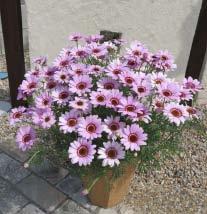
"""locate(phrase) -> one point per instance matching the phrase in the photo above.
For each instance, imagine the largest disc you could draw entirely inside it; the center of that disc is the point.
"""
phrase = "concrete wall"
(161, 24)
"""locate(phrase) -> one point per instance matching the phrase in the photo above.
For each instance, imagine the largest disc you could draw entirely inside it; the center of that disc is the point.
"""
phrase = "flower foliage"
(102, 108)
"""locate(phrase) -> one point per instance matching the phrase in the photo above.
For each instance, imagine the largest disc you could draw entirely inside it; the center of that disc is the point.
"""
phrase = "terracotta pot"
(105, 194)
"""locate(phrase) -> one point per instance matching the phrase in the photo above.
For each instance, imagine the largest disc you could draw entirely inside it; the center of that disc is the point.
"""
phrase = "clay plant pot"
(108, 195)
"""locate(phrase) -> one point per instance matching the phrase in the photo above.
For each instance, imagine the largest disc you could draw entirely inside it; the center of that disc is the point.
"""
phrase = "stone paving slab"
(70, 207)
(49, 172)
(4, 107)
(41, 192)
(31, 209)
(72, 187)
(10, 147)
(11, 201)
(12, 170)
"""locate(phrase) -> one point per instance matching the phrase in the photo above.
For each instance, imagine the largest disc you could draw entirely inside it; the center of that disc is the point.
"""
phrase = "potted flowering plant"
(101, 114)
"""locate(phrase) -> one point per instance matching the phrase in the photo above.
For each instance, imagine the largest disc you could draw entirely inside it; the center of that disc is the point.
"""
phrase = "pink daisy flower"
(79, 52)
(16, 115)
(158, 105)
(169, 91)
(29, 85)
(137, 49)
(133, 137)
(34, 73)
(98, 98)
(80, 104)
(78, 69)
(41, 60)
(25, 137)
(43, 101)
(111, 153)
(47, 119)
(62, 76)
(158, 78)
(49, 72)
(127, 78)
(90, 127)
(115, 68)
(163, 60)
(108, 83)
(110, 46)
(80, 84)
(142, 88)
(185, 94)
(81, 152)
(75, 37)
(128, 106)
(132, 62)
(61, 95)
(51, 84)
(93, 38)
(95, 69)
(113, 126)
(192, 84)
(192, 112)
(62, 62)
(143, 114)
(97, 50)
(68, 122)
(113, 98)
(176, 113)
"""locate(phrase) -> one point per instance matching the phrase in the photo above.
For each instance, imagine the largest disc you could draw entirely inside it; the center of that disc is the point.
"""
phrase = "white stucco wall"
(161, 24)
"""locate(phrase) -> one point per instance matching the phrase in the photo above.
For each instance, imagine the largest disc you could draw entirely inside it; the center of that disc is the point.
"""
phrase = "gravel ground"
(179, 187)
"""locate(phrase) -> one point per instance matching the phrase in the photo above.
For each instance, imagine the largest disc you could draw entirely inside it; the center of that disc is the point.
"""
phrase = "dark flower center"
(17, 115)
(45, 102)
(158, 81)
(63, 95)
(79, 103)
(63, 77)
(159, 104)
(81, 85)
(32, 85)
(114, 101)
(130, 108)
(80, 53)
(112, 153)
(176, 112)
(133, 138)
(71, 122)
(167, 93)
(164, 58)
(64, 63)
(26, 138)
(82, 151)
(47, 119)
(78, 71)
(114, 126)
(131, 63)
(91, 128)
(141, 89)
(100, 98)
(51, 85)
(109, 85)
(191, 110)
(129, 80)
(137, 53)
(96, 69)
(116, 71)
(96, 50)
